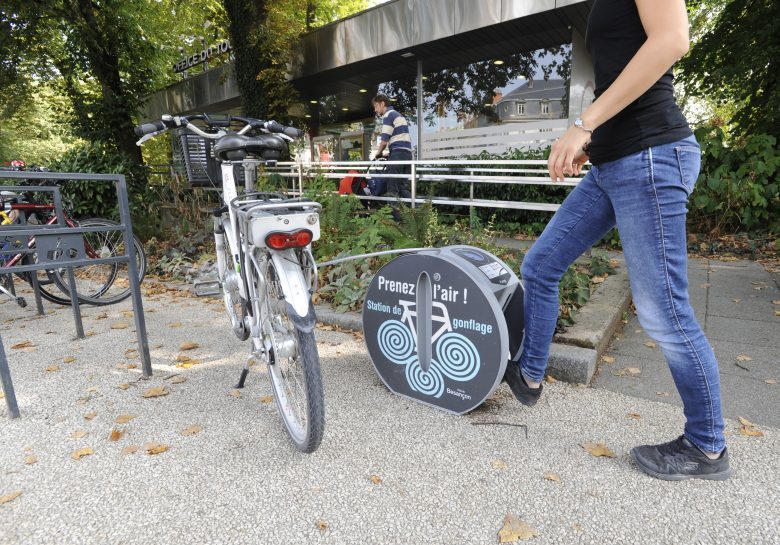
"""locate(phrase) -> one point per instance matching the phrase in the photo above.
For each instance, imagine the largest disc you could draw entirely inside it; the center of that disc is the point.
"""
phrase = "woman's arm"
(666, 24)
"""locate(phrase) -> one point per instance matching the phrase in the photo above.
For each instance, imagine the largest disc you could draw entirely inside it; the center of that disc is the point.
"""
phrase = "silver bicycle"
(266, 270)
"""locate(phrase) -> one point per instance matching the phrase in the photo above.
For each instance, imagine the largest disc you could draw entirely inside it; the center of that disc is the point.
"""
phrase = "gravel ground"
(389, 470)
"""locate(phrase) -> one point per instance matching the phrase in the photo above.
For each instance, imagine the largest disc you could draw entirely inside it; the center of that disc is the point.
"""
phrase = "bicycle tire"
(304, 419)
(94, 283)
(45, 279)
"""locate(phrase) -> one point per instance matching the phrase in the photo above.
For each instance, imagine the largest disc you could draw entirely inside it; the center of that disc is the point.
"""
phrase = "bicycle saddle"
(235, 147)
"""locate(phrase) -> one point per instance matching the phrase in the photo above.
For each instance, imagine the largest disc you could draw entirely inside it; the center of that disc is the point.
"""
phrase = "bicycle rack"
(440, 324)
(64, 246)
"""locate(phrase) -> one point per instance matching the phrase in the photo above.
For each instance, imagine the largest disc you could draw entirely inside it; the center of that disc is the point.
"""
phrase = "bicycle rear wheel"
(103, 283)
(294, 368)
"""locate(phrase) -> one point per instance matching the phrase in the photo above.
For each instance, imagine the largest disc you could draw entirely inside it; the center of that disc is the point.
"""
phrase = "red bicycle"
(98, 284)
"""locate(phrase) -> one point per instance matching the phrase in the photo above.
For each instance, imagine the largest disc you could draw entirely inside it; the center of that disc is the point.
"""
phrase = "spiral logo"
(429, 383)
(457, 357)
(396, 342)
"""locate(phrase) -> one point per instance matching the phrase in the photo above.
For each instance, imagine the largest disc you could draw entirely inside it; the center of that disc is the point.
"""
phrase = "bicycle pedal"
(207, 288)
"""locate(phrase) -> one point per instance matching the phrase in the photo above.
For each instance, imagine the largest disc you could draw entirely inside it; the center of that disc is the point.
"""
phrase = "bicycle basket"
(193, 156)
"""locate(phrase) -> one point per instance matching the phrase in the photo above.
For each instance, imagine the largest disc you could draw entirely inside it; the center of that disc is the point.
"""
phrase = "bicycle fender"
(302, 323)
(293, 285)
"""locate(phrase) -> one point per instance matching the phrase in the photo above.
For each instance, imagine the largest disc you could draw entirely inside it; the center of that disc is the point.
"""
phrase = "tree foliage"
(735, 62)
(105, 56)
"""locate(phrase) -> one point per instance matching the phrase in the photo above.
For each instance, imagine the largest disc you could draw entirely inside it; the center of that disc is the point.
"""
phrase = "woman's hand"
(567, 156)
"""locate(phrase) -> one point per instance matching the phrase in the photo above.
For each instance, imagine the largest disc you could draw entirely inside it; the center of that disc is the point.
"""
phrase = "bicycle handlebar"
(147, 130)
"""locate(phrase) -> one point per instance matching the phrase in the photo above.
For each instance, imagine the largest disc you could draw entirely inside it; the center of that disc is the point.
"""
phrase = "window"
(521, 108)
(545, 108)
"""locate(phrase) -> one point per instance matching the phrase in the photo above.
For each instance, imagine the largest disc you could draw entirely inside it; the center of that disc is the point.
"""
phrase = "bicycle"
(266, 270)
(94, 283)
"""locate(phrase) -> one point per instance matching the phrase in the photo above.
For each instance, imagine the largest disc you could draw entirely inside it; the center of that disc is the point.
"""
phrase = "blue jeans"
(645, 195)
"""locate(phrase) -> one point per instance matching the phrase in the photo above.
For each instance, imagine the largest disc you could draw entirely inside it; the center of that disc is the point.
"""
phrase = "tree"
(736, 63)
(105, 56)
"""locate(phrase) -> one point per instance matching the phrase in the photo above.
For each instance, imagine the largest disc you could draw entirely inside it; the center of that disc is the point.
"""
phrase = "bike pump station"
(441, 323)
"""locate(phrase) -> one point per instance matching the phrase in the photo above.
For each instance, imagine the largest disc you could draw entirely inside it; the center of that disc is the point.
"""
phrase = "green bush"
(98, 199)
(738, 188)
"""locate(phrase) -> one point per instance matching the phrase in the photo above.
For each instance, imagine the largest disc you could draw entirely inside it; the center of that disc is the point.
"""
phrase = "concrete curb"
(573, 354)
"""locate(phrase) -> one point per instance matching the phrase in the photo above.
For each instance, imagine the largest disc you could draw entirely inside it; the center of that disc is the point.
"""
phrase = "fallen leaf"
(191, 430)
(124, 386)
(750, 431)
(116, 434)
(23, 344)
(157, 391)
(89, 333)
(650, 344)
(188, 345)
(321, 525)
(745, 421)
(235, 393)
(183, 357)
(90, 416)
(68, 359)
(127, 313)
(188, 364)
(266, 399)
(129, 450)
(743, 357)
(124, 418)
(635, 416)
(31, 459)
(552, 477)
(376, 479)
(120, 325)
(662, 394)
(599, 449)
(80, 453)
(597, 280)
(737, 300)
(498, 464)
(550, 380)
(101, 316)
(175, 324)
(515, 530)
(777, 313)
(607, 359)
(706, 285)
(178, 379)
(79, 434)
(776, 302)
(10, 497)
(52, 368)
(770, 381)
(155, 448)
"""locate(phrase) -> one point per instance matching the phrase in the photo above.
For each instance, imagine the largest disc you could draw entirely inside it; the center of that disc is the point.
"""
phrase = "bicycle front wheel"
(294, 367)
(103, 283)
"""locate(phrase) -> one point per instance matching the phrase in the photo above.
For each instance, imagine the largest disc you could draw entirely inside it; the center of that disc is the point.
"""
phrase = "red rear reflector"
(282, 241)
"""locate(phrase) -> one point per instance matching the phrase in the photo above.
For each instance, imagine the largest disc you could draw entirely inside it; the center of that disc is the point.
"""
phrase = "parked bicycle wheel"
(103, 283)
(294, 368)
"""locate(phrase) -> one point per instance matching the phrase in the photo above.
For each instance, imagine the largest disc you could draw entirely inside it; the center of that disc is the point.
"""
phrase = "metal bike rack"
(63, 246)
(440, 324)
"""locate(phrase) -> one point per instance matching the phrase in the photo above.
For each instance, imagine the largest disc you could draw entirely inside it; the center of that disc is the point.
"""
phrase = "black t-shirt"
(613, 37)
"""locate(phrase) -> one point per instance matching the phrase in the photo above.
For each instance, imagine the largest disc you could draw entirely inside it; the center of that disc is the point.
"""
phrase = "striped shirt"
(395, 131)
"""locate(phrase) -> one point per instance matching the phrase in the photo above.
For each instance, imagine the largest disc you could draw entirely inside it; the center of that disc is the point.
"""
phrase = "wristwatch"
(581, 125)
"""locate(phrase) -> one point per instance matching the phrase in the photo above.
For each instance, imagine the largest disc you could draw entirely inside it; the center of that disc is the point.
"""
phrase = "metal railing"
(468, 172)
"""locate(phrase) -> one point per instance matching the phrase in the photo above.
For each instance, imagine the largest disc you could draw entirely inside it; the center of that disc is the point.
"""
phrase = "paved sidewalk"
(389, 471)
(733, 301)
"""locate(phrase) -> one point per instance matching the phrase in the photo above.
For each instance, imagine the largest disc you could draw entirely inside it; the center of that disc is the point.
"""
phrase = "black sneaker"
(525, 394)
(680, 459)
